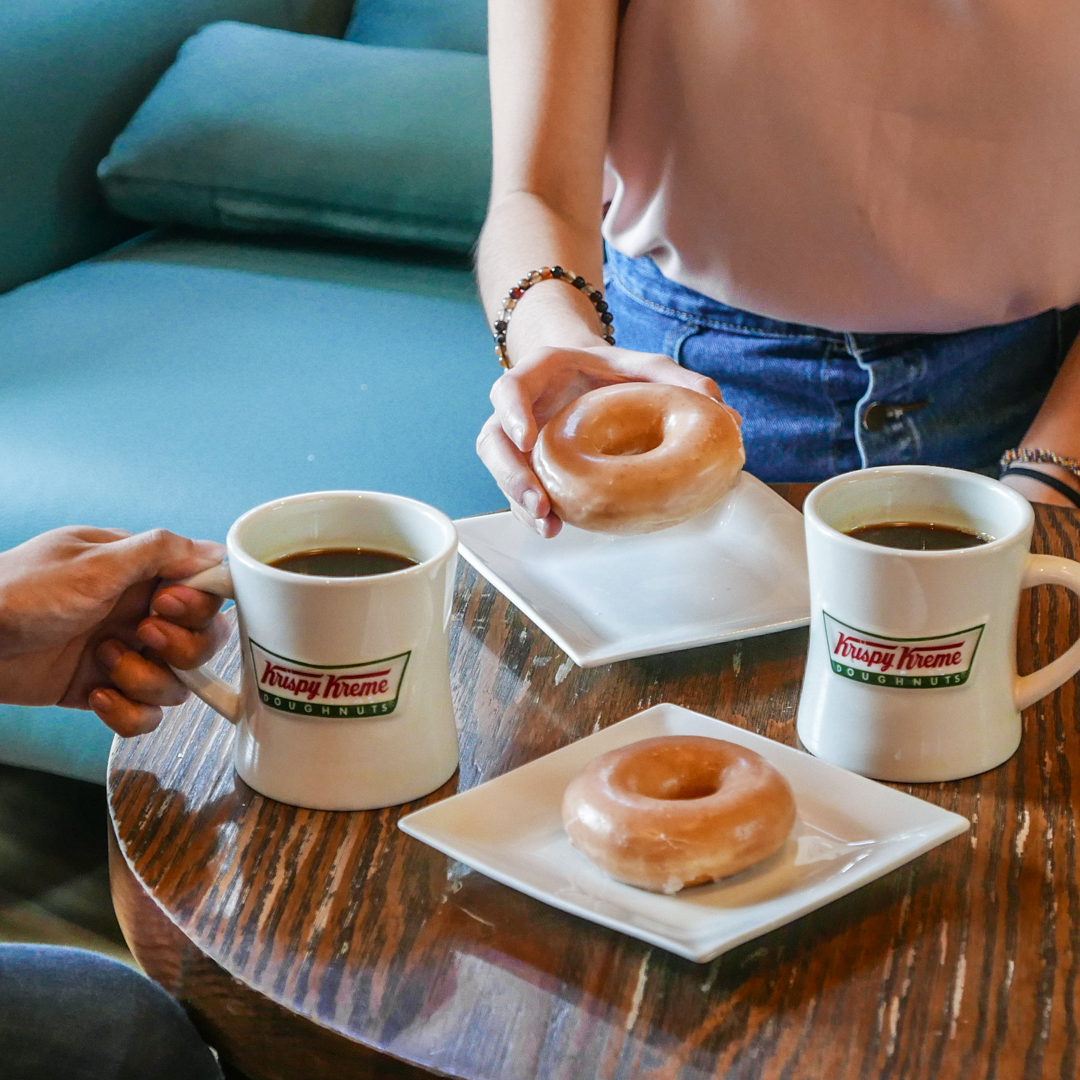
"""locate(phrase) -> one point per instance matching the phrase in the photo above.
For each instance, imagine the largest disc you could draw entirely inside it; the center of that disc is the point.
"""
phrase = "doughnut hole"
(636, 431)
(671, 777)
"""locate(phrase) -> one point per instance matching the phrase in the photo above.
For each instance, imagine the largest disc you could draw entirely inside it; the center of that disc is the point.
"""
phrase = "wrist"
(551, 306)
(554, 335)
(1042, 483)
(1055, 471)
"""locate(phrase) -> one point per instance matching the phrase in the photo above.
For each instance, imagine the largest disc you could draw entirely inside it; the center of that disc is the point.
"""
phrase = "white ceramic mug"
(911, 670)
(344, 701)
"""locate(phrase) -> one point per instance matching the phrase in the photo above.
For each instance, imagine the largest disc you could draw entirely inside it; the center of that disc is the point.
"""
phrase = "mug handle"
(221, 696)
(1048, 570)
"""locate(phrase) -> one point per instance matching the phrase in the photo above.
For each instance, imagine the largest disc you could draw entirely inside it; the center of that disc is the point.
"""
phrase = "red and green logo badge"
(903, 663)
(331, 692)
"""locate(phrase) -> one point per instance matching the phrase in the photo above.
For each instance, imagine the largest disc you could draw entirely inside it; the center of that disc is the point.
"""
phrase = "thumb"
(160, 553)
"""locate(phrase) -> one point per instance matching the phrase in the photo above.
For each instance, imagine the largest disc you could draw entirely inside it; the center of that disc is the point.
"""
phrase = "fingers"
(92, 534)
(187, 607)
(510, 467)
(181, 647)
(655, 367)
(143, 683)
(546, 527)
(512, 472)
(140, 679)
(514, 408)
(126, 718)
(160, 553)
(531, 392)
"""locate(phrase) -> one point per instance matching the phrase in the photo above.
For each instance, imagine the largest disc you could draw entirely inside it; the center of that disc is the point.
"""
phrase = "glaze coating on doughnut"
(637, 457)
(677, 810)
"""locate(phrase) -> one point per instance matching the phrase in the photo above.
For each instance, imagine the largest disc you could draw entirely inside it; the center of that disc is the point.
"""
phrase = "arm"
(1056, 427)
(552, 64)
(549, 114)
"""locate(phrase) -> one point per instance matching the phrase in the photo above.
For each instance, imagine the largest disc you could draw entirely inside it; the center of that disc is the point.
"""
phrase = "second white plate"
(849, 831)
(736, 571)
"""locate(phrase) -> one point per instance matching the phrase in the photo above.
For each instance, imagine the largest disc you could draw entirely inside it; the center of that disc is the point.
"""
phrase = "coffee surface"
(917, 536)
(342, 562)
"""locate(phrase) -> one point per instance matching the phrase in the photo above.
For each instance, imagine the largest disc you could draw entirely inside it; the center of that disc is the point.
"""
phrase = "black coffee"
(917, 536)
(343, 562)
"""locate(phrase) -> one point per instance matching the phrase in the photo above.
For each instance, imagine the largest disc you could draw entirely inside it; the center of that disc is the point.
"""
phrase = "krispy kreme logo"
(343, 691)
(903, 663)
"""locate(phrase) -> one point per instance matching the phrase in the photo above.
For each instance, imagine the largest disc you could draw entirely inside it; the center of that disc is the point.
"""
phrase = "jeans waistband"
(642, 280)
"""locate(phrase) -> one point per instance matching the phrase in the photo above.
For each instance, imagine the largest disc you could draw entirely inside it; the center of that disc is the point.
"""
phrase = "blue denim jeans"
(80, 1016)
(819, 402)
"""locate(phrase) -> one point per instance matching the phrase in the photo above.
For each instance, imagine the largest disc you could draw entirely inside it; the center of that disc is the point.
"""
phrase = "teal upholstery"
(71, 74)
(61, 741)
(181, 378)
(178, 382)
(265, 130)
(421, 24)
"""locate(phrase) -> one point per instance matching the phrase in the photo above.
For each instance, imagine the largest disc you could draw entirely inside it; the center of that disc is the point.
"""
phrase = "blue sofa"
(173, 378)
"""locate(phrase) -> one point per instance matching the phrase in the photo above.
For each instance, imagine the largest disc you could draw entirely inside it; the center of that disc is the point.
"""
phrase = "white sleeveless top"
(863, 165)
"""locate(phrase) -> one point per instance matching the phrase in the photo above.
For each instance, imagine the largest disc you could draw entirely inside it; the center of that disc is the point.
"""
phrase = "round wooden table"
(309, 944)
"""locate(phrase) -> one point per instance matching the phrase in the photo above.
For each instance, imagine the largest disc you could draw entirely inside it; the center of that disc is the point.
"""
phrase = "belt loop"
(677, 337)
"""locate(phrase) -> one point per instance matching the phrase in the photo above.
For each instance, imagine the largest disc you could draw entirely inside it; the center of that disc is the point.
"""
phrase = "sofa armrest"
(72, 74)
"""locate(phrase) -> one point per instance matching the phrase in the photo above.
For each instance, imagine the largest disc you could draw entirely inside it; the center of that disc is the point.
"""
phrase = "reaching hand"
(533, 391)
(74, 625)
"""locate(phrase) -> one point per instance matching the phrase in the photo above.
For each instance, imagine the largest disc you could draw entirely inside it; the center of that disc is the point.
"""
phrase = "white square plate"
(849, 831)
(735, 571)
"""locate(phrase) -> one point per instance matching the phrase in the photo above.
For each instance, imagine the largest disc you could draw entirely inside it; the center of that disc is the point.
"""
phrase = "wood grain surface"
(303, 941)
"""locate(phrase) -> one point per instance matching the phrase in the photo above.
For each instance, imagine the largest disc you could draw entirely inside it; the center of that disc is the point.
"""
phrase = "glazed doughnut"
(637, 457)
(677, 810)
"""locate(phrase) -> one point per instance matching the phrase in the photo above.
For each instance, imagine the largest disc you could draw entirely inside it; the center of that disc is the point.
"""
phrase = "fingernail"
(150, 635)
(211, 549)
(109, 653)
(517, 434)
(99, 699)
(169, 605)
(531, 500)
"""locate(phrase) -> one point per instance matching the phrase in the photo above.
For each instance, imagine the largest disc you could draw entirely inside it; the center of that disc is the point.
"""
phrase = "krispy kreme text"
(916, 664)
(353, 690)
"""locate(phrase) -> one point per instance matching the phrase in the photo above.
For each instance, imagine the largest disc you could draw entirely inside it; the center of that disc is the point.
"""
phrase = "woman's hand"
(534, 390)
(84, 624)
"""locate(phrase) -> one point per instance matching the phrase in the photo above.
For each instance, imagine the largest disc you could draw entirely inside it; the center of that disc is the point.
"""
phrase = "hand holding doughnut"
(638, 457)
(537, 387)
(677, 810)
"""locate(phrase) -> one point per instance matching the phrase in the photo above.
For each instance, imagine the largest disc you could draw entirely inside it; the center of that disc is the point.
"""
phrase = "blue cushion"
(179, 382)
(71, 75)
(266, 130)
(62, 741)
(421, 24)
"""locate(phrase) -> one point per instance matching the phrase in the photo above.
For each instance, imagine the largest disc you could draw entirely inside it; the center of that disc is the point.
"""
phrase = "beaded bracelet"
(502, 320)
(1031, 455)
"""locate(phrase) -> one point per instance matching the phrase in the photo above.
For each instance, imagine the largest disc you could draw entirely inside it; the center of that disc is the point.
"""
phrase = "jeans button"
(879, 413)
(874, 416)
